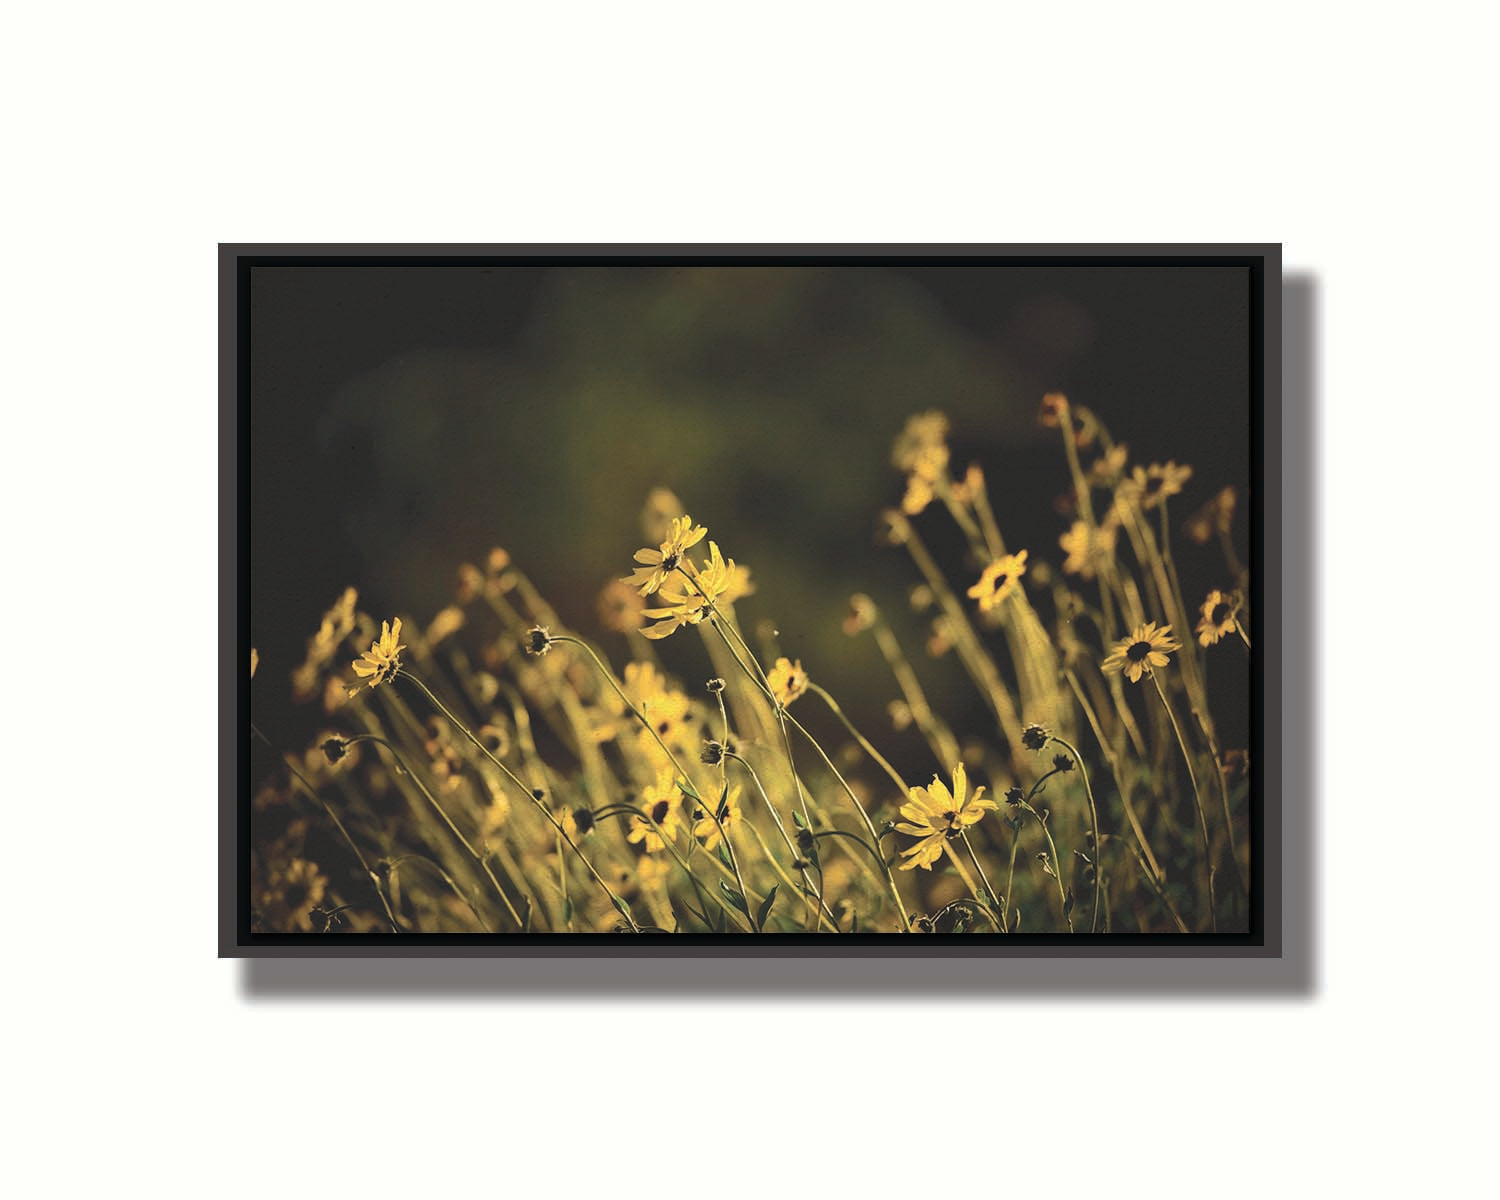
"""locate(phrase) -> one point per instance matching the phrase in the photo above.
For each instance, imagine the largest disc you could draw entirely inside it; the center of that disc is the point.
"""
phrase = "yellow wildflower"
(383, 659)
(658, 565)
(1145, 648)
(1000, 579)
(728, 813)
(660, 803)
(787, 680)
(1218, 619)
(689, 605)
(935, 816)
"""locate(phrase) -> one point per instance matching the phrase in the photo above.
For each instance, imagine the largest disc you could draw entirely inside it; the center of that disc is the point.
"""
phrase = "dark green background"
(407, 418)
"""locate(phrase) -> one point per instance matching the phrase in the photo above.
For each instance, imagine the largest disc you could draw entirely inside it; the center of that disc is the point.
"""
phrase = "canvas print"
(686, 597)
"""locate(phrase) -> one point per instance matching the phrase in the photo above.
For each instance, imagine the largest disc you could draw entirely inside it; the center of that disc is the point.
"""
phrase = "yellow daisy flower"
(1000, 579)
(658, 565)
(660, 802)
(1145, 648)
(689, 605)
(934, 815)
(729, 815)
(383, 659)
(1218, 617)
(787, 680)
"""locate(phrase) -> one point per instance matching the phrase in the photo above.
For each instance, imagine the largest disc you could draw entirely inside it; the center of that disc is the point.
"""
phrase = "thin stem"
(1197, 795)
(1056, 863)
(619, 905)
(1006, 901)
(994, 900)
(1109, 755)
(821, 905)
(1094, 820)
(822, 694)
(333, 816)
(442, 812)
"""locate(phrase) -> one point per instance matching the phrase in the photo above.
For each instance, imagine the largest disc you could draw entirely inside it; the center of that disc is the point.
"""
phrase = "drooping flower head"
(383, 659)
(787, 680)
(1145, 648)
(936, 816)
(659, 565)
(1218, 619)
(999, 580)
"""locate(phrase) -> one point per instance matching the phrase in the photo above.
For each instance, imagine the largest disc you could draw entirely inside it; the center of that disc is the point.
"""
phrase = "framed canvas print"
(750, 600)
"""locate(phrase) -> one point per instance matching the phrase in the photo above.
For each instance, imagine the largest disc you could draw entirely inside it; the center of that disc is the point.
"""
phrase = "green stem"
(1197, 795)
(1094, 821)
(447, 820)
(333, 816)
(618, 904)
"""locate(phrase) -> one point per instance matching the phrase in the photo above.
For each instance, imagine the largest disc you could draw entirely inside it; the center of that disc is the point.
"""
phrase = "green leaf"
(688, 790)
(765, 909)
(567, 908)
(623, 908)
(797, 817)
(734, 898)
(724, 856)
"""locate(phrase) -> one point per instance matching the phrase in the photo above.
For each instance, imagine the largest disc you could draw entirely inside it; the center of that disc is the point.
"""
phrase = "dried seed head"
(538, 640)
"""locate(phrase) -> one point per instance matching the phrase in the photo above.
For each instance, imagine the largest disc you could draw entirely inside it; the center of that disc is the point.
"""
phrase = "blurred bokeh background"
(405, 419)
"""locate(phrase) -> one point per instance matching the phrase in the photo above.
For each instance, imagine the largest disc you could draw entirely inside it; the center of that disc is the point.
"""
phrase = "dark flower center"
(659, 811)
(1000, 581)
(1220, 614)
(670, 561)
(1138, 652)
